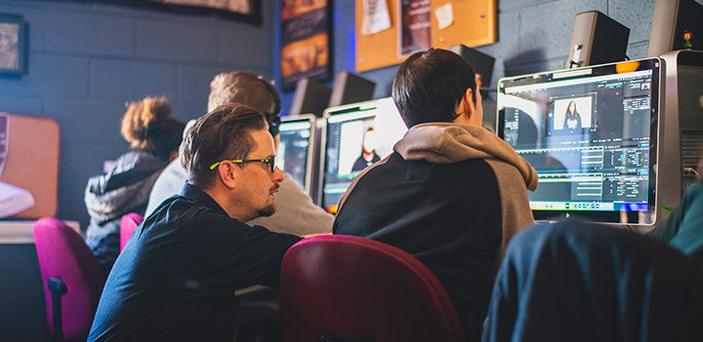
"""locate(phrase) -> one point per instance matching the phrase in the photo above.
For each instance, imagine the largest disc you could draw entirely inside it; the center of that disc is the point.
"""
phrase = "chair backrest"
(128, 224)
(63, 254)
(351, 288)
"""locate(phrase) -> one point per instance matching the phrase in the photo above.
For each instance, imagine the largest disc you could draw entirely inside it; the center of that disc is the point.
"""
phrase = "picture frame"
(13, 45)
(306, 41)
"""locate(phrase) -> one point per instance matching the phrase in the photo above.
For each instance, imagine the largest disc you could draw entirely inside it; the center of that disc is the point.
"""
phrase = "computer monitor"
(592, 135)
(355, 136)
(295, 151)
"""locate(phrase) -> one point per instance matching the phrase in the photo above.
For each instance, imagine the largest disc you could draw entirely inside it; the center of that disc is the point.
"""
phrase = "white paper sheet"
(376, 17)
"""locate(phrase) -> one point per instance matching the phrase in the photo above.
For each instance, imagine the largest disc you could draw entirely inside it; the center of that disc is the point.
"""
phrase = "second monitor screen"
(355, 140)
(293, 150)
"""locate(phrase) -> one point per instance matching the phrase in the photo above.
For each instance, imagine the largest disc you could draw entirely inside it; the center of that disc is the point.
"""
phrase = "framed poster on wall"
(13, 45)
(305, 41)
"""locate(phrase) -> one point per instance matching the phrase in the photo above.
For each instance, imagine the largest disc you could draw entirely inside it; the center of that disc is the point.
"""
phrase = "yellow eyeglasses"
(271, 162)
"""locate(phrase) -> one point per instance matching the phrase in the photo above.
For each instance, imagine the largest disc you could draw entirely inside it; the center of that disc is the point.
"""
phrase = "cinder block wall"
(534, 35)
(87, 59)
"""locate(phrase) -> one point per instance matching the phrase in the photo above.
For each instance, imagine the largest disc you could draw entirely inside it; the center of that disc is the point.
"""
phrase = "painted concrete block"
(20, 105)
(130, 80)
(548, 27)
(638, 21)
(638, 50)
(87, 121)
(89, 33)
(176, 42)
(245, 46)
(513, 5)
(48, 74)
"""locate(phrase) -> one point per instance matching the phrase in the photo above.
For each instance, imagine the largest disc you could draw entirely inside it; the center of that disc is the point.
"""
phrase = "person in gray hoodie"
(154, 136)
(452, 193)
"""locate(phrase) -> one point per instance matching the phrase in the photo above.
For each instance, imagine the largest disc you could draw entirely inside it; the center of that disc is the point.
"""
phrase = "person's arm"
(689, 238)
(223, 253)
(682, 216)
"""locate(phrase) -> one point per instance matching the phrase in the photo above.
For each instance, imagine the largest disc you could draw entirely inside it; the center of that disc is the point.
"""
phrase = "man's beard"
(266, 211)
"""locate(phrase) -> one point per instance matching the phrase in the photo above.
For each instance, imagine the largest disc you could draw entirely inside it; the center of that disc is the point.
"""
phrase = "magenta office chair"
(347, 288)
(71, 278)
(128, 224)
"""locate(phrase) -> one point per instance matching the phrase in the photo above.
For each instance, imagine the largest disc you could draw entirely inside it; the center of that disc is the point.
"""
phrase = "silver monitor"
(592, 134)
(296, 149)
(355, 136)
(683, 120)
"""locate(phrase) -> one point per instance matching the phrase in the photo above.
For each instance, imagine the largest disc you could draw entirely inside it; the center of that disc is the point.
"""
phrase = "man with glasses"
(296, 213)
(176, 278)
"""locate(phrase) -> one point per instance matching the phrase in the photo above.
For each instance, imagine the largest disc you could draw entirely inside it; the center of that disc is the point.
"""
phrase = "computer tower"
(482, 63)
(597, 39)
(350, 88)
(310, 97)
(683, 122)
(671, 18)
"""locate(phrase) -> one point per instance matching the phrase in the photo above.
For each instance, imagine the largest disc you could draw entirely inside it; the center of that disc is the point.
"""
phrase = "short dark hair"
(429, 85)
(223, 133)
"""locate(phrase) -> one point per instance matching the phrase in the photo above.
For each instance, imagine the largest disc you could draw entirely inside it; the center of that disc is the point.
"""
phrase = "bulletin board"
(33, 162)
(474, 24)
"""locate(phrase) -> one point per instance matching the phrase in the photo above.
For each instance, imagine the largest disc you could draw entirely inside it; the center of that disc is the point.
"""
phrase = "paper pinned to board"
(444, 15)
(376, 17)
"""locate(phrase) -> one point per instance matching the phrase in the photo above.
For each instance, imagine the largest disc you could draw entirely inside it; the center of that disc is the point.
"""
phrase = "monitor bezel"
(329, 112)
(309, 164)
(613, 217)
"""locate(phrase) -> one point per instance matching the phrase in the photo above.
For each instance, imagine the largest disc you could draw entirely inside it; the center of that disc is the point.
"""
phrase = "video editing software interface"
(357, 137)
(294, 148)
(590, 138)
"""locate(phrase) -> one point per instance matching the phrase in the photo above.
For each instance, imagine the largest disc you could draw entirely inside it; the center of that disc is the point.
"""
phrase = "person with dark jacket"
(452, 193)
(175, 280)
(576, 281)
(154, 137)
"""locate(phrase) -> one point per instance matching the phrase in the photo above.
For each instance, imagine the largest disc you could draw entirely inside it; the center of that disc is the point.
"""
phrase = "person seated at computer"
(368, 154)
(578, 281)
(175, 280)
(683, 229)
(296, 213)
(154, 137)
(572, 118)
(452, 193)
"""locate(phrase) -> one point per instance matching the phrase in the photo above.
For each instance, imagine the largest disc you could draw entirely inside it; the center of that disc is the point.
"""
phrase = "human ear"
(227, 174)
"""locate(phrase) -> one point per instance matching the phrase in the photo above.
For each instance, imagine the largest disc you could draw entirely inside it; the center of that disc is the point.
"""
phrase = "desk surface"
(21, 232)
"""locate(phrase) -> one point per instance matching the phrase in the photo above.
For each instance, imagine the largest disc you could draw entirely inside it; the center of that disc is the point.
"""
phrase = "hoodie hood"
(446, 143)
(125, 187)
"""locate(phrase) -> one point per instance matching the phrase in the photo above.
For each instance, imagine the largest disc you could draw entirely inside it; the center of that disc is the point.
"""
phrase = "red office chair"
(71, 278)
(128, 224)
(346, 288)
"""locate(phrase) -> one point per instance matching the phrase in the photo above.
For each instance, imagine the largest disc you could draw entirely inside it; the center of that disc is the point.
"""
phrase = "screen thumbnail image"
(358, 147)
(573, 113)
